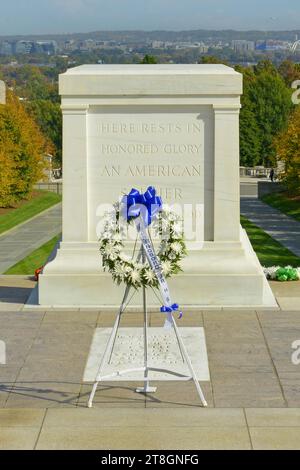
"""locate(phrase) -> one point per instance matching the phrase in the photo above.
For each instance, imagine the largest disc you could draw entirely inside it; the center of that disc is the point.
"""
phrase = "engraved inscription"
(164, 149)
(148, 128)
(150, 170)
(150, 149)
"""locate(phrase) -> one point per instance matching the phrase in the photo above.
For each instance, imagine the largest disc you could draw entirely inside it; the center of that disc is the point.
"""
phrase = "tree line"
(31, 122)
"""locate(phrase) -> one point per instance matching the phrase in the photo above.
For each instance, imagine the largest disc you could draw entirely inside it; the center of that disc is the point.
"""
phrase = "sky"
(69, 16)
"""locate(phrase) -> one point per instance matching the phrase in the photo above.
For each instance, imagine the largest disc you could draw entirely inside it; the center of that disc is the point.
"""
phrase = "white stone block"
(175, 127)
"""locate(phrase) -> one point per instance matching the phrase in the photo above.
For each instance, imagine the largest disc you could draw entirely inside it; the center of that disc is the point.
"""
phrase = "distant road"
(25, 238)
(278, 225)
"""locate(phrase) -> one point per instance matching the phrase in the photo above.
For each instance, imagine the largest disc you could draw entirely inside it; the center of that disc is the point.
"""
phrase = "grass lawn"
(268, 250)
(35, 260)
(42, 201)
(289, 206)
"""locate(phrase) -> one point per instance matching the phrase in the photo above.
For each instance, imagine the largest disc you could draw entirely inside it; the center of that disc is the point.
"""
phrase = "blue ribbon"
(147, 205)
(131, 205)
(173, 308)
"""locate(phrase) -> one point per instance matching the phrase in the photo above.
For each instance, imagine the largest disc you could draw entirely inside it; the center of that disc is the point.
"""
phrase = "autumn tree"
(287, 145)
(290, 71)
(22, 150)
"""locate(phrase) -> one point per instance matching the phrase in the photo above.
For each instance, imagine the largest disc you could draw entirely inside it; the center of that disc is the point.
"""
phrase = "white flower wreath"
(123, 268)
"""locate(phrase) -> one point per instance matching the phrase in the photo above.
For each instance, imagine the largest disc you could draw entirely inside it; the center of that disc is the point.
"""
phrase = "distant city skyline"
(43, 17)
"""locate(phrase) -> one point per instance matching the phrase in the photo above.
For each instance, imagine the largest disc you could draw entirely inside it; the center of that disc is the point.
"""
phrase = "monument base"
(221, 274)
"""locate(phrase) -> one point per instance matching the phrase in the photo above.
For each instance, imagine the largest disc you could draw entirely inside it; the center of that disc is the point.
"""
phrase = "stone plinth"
(175, 127)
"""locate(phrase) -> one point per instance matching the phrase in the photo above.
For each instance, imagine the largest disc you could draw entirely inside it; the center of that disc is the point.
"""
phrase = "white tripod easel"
(146, 368)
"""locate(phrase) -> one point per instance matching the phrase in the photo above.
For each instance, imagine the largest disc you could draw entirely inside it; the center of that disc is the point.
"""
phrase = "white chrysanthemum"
(176, 247)
(125, 257)
(121, 271)
(177, 229)
(166, 267)
(271, 272)
(165, 225)
(111, 251)
(135, 276)
(149, 275)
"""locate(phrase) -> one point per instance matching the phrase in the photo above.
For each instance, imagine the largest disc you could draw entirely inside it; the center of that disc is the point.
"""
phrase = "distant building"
(87, 45)
(23, 47)
(45, 47)
(70, 45)
(28, 47)
(269, 46)
(241, 45)
(157, 44)
(6, 48)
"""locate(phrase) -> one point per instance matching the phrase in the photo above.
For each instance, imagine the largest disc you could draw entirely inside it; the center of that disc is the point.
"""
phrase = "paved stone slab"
(290, 382)
(44, 394)
(113, 395)
(285, 289)
(71, 316)
(160, 438)
(18, 438)
(275, 438)
(27, 417)
(178, 394)
(289, 303)
(163, 352)
(273, 417)
(247, 390)
(249, 359)
(189, 319)
(126, 417)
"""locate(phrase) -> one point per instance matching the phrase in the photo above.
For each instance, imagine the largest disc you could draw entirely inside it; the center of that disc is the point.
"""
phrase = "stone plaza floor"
(253, 394)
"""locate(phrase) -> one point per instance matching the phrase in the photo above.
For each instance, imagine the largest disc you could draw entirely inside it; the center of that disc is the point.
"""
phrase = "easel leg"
(189, 363)
(146, 388)
(109, 346)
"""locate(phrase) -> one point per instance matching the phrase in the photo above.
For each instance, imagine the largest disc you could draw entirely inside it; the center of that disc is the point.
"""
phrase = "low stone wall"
(267, 187)
(52, 187)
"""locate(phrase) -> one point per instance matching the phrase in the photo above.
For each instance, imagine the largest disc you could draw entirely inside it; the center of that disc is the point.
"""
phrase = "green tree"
(250, 143)
(211, 59)
(271, 104)
(149, 59)
(49, 118)
(249, 138)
